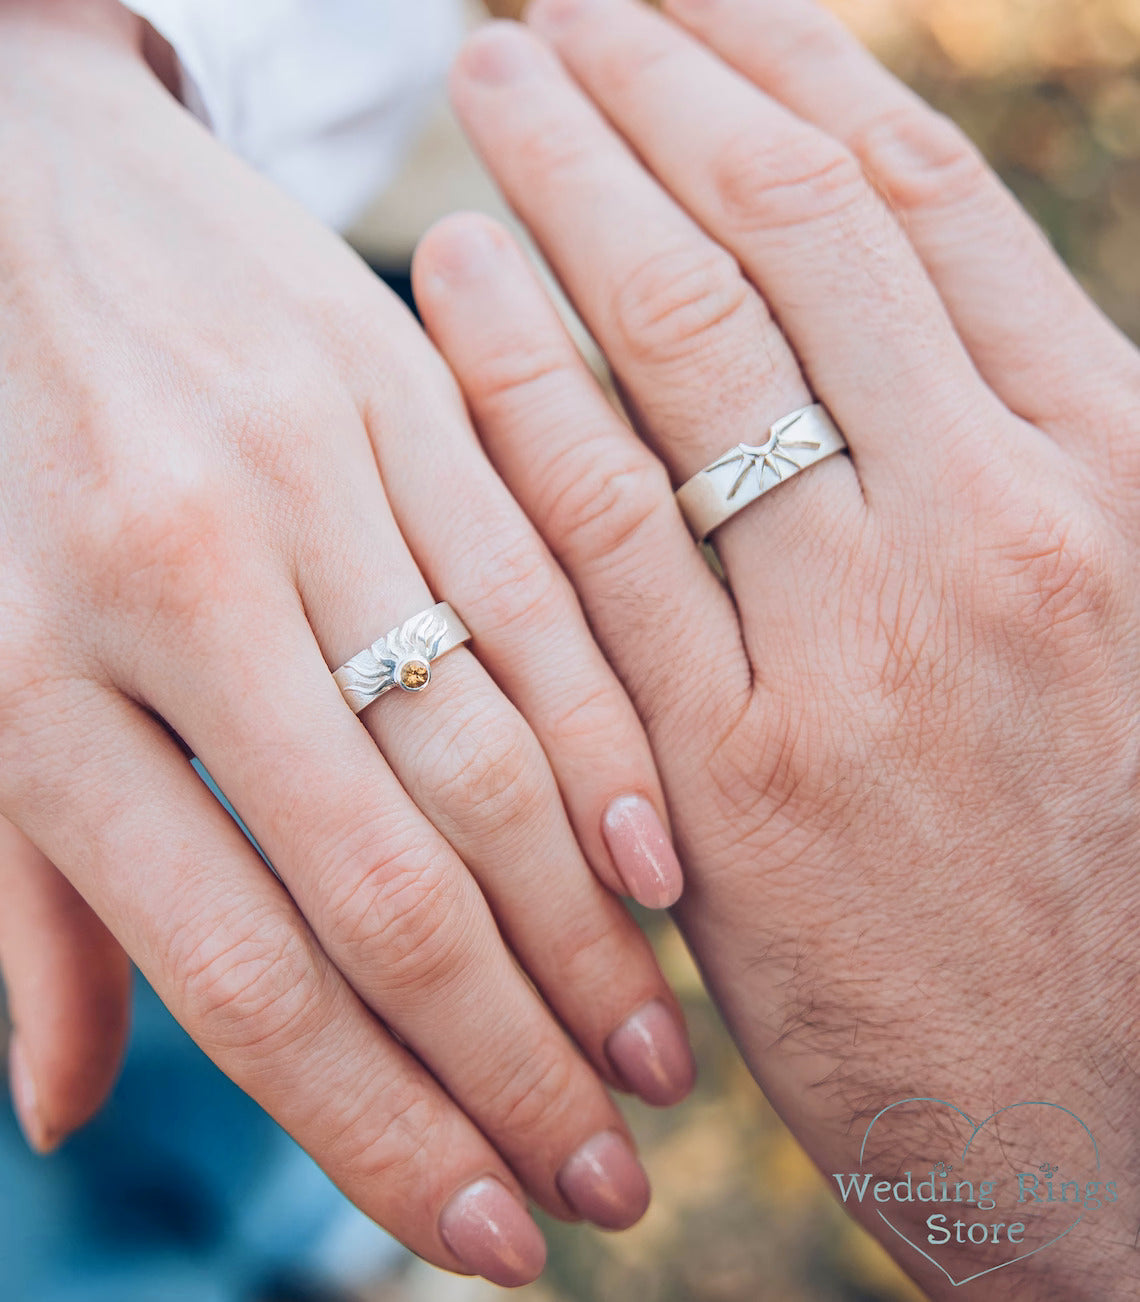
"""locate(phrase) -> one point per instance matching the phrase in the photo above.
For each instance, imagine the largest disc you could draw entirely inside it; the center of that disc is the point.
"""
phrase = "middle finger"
(668, 304)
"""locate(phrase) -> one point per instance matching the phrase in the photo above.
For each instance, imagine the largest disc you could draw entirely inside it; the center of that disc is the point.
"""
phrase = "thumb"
(68, 988)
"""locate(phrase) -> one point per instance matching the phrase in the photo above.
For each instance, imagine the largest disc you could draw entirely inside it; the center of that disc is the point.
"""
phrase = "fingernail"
(25, 1100)
(690, 6)
(549, 15)
(651, 1054)
(642, 852)
(492, 1234)
(499, 54)
(605, 1183)
(462, 252)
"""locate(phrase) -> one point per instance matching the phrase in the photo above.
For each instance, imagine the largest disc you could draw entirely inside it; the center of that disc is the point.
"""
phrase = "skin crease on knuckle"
(598, 516)
(921, 159)
(803, 179)
(535, 1096)
(517, 374)
(250, 991)
(552, 153)
(517, 587)
(400, 921)
(492, 775)
(669, 308)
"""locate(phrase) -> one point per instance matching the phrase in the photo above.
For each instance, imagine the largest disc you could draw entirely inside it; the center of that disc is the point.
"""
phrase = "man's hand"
(903, 762)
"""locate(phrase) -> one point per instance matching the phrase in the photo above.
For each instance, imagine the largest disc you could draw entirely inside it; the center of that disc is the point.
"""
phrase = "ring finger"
(483, 772)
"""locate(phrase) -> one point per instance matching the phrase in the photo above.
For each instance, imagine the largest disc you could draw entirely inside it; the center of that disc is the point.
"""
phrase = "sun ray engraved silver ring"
(746, 473)
(401, 658)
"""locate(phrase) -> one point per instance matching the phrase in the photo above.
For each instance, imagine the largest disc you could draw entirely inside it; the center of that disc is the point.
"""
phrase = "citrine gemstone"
(414, 675)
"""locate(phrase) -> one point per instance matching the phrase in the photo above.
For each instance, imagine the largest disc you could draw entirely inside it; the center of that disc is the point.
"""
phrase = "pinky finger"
(68, 985)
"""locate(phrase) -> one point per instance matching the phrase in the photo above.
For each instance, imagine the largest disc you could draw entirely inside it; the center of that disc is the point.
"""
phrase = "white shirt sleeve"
(322, 96)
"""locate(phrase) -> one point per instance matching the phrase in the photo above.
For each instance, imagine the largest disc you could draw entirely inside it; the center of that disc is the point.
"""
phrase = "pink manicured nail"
(605, 1183)
(25, 1099)
(651, 1053)
(642, 852)
(491, 1233)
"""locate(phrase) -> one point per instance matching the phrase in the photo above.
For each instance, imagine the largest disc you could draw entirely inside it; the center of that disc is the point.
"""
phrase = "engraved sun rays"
(772, 456)
(415, 642)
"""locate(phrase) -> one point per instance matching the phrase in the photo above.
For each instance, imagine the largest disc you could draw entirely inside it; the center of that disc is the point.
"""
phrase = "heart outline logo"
(977, 1128)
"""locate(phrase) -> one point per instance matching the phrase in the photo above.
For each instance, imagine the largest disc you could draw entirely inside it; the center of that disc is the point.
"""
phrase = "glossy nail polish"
(642, 852)
(650, 1052)
(492, 1234)
(605, 1183)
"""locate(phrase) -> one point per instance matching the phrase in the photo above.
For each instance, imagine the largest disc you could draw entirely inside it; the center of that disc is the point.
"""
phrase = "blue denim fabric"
(182, 1190)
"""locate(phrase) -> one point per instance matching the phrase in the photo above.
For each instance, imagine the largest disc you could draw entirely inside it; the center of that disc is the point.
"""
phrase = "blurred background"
(1051, 91)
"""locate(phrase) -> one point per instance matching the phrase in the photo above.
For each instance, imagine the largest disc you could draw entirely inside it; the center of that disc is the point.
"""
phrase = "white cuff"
(322, 96)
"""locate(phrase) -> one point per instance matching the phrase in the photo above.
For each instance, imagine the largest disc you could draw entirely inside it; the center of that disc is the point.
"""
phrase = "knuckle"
(678, 302)
(1062, 573)
(919, 159)
(161, 550)
(271, 431)
(607, 510)
(797, 179)
(251, 990)
(596, 945)
(626, 68)
(517, 584)
(396, 911)
(593, 717)
(519, 370)
(497, 768)
(815, 40)
(529, 1097)
(553, 150)
(399, 1153)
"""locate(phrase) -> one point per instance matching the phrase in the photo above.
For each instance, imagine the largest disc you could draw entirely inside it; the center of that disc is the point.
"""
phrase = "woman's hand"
(902, 756)
(198, 384)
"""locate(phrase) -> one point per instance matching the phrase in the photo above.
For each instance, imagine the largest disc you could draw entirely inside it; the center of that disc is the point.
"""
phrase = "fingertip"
(76, 1048)
(25, 1099)
(458, 251)
(604, 1182)
(496, 54)
(552, 16)
(69, 989)
(491, 1233)
(650, 1052)
(642, 852)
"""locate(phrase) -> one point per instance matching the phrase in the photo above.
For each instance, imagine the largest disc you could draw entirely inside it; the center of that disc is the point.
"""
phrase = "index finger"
(599, 497)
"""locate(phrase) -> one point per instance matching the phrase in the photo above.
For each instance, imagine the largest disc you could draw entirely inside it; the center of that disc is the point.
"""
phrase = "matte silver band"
(746, 473)
(401, 658)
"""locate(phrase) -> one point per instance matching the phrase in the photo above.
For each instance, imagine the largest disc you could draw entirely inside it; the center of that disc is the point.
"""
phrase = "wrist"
(37, 27)
(56, 54)
(43, 20)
